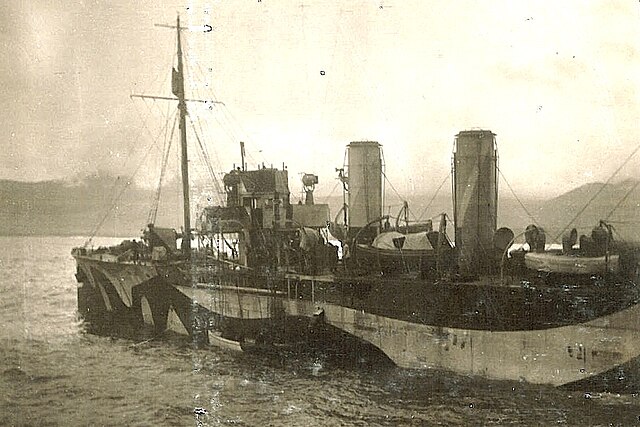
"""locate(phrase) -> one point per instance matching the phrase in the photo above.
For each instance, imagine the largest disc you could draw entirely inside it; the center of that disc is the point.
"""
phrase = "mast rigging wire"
(116, 199)
(536, 222)
(596, 194)
(446, 178)
(395, 191)
(628, 193)
(228, 121)
(153, 212)
(326, 198)
(207, 161)
(165, 153)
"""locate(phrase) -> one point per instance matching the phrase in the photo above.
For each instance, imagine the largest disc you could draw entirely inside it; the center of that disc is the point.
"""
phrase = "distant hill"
(617, 203)
(76, 207)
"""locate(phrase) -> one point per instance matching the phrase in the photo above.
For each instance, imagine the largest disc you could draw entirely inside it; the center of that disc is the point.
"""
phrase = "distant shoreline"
(76, 235)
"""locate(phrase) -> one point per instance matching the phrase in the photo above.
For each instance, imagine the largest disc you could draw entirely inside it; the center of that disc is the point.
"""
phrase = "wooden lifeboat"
(556, 262)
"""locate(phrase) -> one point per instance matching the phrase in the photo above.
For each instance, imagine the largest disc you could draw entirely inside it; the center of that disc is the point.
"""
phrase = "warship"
(260, 273)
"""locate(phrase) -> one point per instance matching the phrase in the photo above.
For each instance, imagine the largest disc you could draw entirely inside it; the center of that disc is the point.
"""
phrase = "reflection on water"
(51, 373)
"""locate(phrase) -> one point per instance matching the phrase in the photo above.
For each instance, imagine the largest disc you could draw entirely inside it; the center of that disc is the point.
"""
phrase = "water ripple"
(53, 374)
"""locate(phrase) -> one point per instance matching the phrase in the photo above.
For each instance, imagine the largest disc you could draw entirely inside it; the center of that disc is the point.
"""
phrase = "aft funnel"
(475, 199)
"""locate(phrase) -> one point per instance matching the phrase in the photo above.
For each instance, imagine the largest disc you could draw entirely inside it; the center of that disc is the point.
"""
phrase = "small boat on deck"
(396, 252)
(557, 262)
(596, 254)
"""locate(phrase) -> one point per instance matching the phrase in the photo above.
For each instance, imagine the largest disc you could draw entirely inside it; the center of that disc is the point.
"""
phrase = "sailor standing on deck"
(346, 254)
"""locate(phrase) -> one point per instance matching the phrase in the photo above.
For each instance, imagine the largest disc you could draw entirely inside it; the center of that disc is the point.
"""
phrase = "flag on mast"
(176, 87)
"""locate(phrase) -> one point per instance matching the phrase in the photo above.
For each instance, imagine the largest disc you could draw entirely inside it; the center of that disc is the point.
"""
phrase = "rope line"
(392, 187)
(326, 198)
(597, 193)
(447, 176)
(229, 122)
(622, 200)
(153, 212)
(207, 162)
(533, 218)
(117, 198)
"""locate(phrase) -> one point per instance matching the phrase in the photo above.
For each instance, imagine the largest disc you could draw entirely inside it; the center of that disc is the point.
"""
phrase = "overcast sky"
(558, 82)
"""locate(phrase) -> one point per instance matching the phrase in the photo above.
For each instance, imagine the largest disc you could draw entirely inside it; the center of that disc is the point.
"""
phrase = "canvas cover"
(412, 241)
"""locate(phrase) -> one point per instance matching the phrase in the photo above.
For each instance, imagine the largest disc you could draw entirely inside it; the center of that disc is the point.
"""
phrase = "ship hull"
(553, 356)
(593, 345)
(129, 299)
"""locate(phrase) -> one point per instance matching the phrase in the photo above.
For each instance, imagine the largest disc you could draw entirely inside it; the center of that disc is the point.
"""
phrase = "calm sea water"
(52, 373)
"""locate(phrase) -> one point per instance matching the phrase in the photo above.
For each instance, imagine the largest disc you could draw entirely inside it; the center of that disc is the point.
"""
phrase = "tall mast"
(177, 87)
(178, 90)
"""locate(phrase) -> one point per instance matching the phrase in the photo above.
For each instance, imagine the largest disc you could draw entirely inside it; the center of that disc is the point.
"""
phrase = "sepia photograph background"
(296, 81)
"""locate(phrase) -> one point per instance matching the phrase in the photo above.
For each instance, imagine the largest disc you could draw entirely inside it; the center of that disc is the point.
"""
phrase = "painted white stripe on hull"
(124, 276)
(174, 323)
(147, 316)
(231, 303)
(553, 356)
(97, 284)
